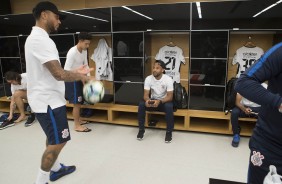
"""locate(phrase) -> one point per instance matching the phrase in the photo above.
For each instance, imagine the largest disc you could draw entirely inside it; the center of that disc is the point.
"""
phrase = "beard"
(155, 74)
(51, 27)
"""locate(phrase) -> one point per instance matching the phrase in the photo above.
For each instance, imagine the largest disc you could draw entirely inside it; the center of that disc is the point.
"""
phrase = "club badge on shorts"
(257, 158)
(65, 133)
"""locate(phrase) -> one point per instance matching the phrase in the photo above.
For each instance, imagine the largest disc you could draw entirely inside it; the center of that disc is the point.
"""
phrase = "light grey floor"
(110, 154)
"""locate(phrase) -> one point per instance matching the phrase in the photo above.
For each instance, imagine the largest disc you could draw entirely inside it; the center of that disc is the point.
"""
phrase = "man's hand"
(248, 110)
(83, 69)
(10, 118)
(149, 103)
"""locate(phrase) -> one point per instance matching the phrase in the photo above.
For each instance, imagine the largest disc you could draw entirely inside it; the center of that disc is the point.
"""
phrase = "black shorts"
(260, 160)
(74, 92)
(55, 125)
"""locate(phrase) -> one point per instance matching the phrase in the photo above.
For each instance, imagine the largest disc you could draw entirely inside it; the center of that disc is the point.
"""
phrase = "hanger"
(249, 43)
(171, 44)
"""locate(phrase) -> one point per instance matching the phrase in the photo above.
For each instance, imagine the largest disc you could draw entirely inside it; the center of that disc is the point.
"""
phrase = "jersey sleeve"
(268, 67)
(235, 59)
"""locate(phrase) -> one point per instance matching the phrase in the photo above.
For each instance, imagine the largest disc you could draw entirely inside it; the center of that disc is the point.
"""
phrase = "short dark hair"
(84, 36)
(10, 75)
(162, 64)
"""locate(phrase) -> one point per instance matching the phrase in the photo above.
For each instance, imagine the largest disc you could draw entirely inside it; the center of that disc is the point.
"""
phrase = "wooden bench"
(184, 119)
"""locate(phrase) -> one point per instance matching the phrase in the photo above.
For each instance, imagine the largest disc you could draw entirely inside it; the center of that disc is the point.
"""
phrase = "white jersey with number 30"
(172, 57)
(245, 57)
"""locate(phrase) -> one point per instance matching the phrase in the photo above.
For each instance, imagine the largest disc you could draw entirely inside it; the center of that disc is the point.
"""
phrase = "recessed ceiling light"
(199, 9)
(125, 7)
(6, 18)
(271, 6)
(77, 14)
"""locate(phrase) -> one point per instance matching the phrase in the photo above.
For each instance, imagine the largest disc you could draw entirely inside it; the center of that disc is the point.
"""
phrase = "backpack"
(230, 95)
(180, 96)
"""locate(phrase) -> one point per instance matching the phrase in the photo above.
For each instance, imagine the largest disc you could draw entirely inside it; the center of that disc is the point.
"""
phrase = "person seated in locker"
(160, 86)
(243, 108)
(18, 89)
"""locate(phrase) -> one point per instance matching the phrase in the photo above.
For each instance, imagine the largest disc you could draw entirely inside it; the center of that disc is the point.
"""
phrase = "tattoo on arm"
(60, 74)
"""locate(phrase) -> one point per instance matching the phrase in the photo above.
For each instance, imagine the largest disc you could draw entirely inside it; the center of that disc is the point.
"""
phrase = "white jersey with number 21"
(172, 56)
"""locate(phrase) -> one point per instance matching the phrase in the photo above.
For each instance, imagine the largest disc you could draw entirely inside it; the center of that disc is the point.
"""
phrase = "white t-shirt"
(159, 88)
(75, 58)
(42, 88)
(172, 57)
(245, 57)
(22, 86)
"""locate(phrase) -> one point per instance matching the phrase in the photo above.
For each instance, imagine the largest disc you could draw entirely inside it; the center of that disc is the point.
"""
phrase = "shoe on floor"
(6, 123)
(140, 135)
(168, 137)
(30, 120)
(236, 140)
(65, 170)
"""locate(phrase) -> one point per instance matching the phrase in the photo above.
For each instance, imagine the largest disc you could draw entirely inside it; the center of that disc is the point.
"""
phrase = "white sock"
(42, 177)
(56, 166)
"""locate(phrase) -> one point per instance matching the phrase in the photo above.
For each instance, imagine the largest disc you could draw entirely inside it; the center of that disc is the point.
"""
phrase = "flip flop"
(85, 130)
(86, 122)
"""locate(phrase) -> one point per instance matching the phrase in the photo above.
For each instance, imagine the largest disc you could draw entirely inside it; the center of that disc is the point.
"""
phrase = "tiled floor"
(110, 154)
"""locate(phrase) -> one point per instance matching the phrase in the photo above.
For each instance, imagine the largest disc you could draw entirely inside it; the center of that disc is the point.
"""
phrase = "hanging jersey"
(245, 57)
(172, 57)
(102, 57)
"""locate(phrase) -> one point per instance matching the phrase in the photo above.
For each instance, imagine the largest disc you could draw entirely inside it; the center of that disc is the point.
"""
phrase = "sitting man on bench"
(161, 87)
(18, 89)
(243, 109)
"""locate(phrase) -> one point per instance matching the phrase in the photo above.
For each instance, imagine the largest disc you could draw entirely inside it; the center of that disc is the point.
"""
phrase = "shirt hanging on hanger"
(172, 57)
(245, 57)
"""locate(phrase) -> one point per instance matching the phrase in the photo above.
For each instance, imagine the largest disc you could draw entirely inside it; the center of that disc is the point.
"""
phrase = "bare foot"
(21, 118)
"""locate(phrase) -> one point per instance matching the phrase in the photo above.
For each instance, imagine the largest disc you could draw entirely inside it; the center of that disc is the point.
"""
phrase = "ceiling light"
(137, 12)
(271, 6)
(199, 9)
(6, 18)
(84, 16)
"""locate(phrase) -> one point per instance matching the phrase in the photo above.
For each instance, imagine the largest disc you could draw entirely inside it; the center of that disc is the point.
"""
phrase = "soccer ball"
(93, 91)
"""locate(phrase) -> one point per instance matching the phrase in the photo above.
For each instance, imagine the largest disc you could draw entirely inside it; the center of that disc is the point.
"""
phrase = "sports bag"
(230, 94)
(180, 96)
